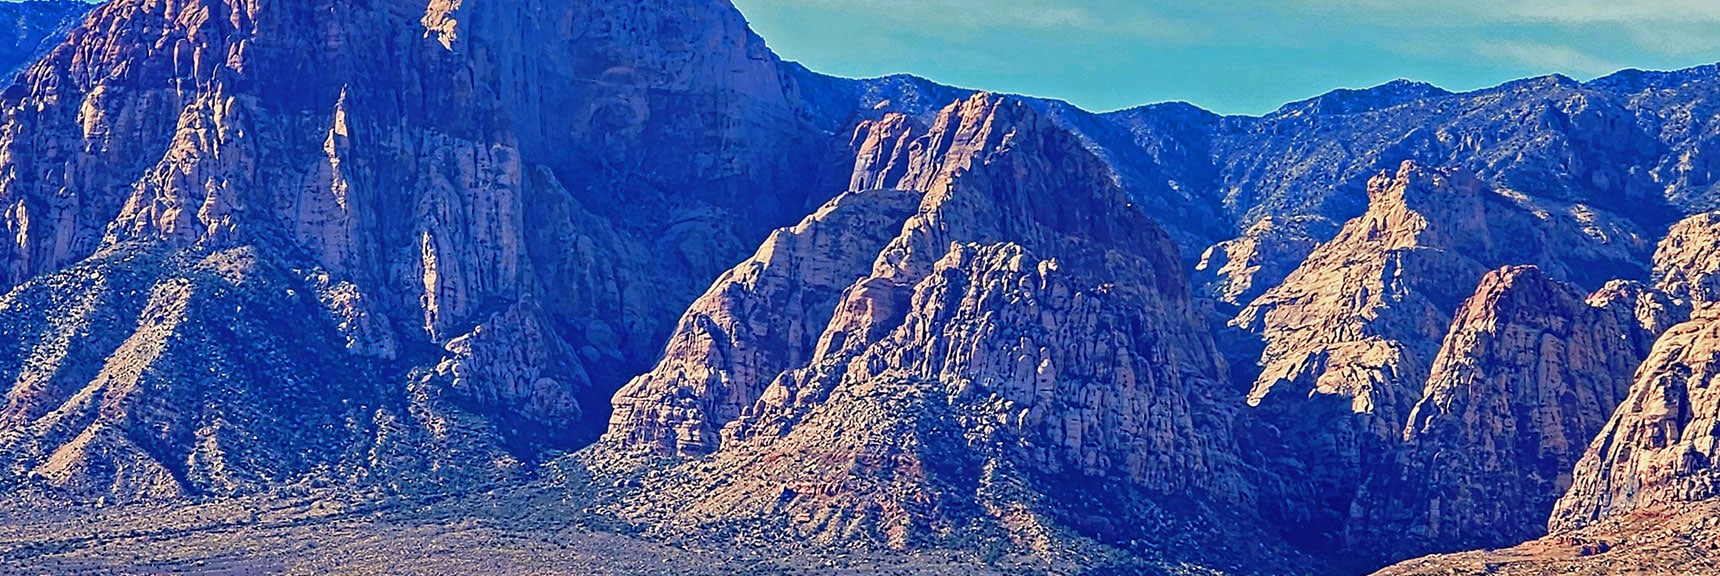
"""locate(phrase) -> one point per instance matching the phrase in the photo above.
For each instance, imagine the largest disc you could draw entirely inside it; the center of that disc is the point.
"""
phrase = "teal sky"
(1233, 56)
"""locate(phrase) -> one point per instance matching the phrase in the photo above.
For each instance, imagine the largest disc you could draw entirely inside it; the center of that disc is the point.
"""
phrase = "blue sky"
(1233, 56)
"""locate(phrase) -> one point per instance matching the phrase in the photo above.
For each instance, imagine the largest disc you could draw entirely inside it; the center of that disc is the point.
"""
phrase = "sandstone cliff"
(1236, 272)
(401, 245)
(1528, 374)
(1350, 338)
(1018, 368)
(439, 184)
(758, 320)
(1687, 266)
(1657, 450)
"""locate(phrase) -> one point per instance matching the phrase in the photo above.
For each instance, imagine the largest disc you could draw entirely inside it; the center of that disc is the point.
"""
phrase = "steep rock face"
(1060, 367)
(439, 181)
(1238, 271)
(1687, 265)
(1654, 311)
(1647, 461)
(1360, 319)
(882, 150)
(985, 166)
(1006, 339)
(1658, 449)
(1351, 337)
(1655, 450)
(1529, 373)
(760, 319)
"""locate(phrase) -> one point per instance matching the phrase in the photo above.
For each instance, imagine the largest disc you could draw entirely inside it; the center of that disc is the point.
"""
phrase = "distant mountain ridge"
(388, 249)
(1213, 177)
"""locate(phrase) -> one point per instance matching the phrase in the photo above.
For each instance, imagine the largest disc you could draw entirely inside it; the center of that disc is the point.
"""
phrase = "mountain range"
(538, 287)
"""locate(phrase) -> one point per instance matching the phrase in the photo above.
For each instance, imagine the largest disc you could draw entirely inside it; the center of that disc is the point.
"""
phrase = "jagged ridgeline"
(1020, 363)
(385, 248)
(491, 213)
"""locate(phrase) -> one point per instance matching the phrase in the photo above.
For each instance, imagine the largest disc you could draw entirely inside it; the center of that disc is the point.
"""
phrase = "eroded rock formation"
(760, 319)
(395, 243)
(1658, 449)
(1687, 264)
(490, 207)
(1529, 373)
(1006, 338)
(1352, 335)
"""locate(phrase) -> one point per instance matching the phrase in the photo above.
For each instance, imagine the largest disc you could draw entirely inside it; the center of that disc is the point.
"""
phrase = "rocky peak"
(1521, 306)
(439, 180)
(1352, 101)
(1658, 448)
(1025, 307)
(1352, 336)
(1393, 275)
(881, 149)
(759, 320)
(1353, 304)
(389, 242)
(1655, 311)
(1529, 373)
(953, 142)
(1006, 156)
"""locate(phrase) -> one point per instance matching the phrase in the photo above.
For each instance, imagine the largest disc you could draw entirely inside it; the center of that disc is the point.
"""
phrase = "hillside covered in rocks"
(416, 261)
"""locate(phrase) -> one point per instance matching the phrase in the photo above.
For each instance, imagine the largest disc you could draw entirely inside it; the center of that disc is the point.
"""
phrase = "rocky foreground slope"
(380, 251)
(1025, 339)
(1672, 541)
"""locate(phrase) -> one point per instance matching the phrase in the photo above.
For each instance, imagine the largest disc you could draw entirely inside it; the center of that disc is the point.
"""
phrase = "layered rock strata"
(1687, 265)
(1657, 449)
(758, 320)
